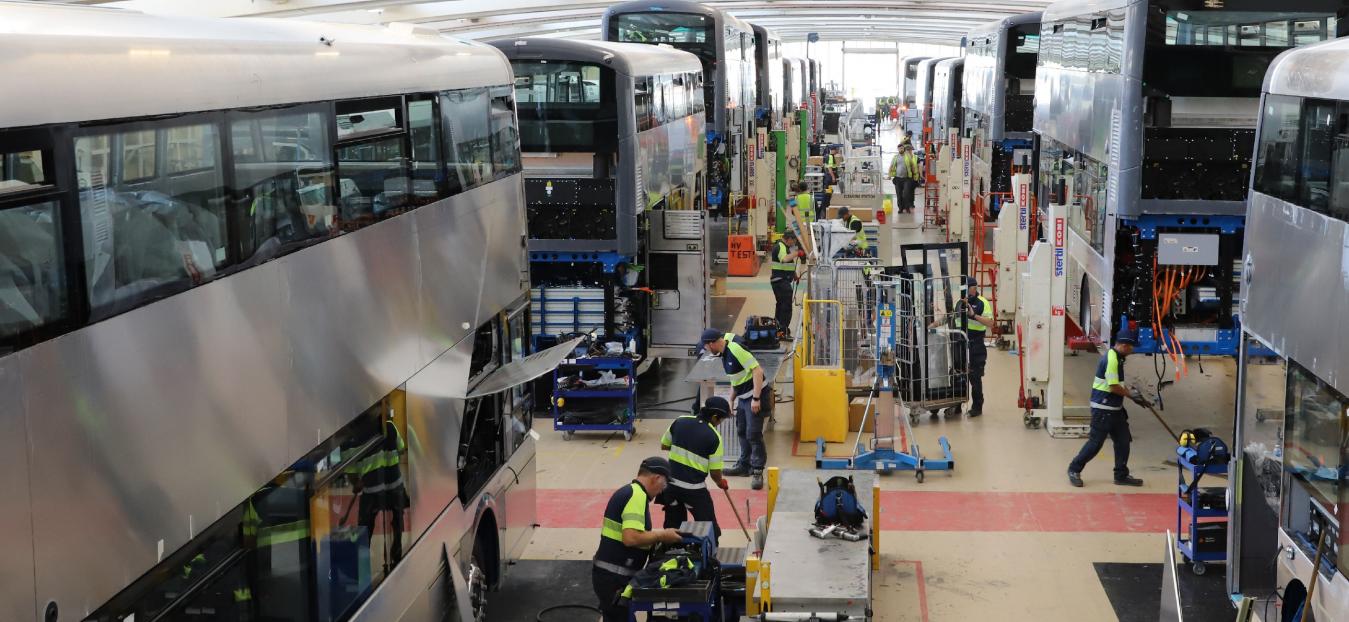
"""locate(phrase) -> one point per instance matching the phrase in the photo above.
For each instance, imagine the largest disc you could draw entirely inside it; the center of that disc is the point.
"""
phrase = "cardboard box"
(865, 214)
(856, 409)
(815, 161)
(718, 286)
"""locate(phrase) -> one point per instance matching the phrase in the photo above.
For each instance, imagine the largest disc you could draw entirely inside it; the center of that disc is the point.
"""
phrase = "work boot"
(1075, 479)
(976, 412)
(736, 471)
(1128, 480)
(756, 480)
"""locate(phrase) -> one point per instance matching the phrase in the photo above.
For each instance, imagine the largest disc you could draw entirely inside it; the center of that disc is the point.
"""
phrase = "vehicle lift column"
(1041, 331)
(1011, 241)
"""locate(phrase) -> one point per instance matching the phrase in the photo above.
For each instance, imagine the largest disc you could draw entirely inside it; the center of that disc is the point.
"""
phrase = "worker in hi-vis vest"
(904, 175)
(1107, 412)
(973, 315)
(782, 261)
(748, 390)
(626, 536)
(695, 456)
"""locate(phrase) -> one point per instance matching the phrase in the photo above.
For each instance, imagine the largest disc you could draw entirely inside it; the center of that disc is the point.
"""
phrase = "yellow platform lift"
(820, 402)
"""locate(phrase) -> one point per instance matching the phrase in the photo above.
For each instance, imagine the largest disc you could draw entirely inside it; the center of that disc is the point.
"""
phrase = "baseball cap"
(657, 465)
(717, 404)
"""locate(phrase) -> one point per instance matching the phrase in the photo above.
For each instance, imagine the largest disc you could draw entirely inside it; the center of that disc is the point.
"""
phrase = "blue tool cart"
(611, 407)
(1201, 513)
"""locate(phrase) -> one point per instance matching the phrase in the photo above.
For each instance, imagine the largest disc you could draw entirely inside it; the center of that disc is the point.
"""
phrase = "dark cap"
(971, 282)
(718, 405)
(1127, 335)
(658, 465)
(844, 210)
(790, 233)
(712, 334)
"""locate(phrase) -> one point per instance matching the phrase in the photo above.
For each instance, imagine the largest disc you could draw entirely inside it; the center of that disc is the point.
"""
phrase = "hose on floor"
(539, 617)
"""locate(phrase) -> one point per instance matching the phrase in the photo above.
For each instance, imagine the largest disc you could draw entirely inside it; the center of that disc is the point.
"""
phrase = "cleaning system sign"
(1058, 247)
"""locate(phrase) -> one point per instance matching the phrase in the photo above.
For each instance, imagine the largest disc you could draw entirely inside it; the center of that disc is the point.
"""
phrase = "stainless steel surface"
(519, 372)
(1295, 254)
(945, 80)
(985, 89)
(398, 595)
(923, 84)
(47, 47)
(17, 600)
(1331, 601)
(810, 574)
(680, 315)
(1311, 71)
(155, 422)
(520, 484)
(434, 421)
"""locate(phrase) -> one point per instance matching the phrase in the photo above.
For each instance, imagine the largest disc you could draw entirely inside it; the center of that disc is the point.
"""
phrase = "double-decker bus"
(769, 82)
(725, 46)
(1145, 114)
(999, 101)
(264, 289)
(1288, 491)
(614, 159)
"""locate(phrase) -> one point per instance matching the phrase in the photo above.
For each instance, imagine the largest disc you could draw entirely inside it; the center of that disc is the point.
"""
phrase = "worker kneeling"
(626, 537)
(695, 453)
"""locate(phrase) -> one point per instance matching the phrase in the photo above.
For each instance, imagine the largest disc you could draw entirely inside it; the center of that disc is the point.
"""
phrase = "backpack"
(1203, 449)
(838, 504)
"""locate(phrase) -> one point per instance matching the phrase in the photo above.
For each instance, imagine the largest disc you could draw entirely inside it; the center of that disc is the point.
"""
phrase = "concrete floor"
(1003, 537)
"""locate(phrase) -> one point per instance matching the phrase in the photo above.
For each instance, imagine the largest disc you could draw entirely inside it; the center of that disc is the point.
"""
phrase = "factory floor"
(1002, 537)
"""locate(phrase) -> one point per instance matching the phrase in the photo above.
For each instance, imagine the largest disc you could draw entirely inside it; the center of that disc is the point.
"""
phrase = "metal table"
(810, 574)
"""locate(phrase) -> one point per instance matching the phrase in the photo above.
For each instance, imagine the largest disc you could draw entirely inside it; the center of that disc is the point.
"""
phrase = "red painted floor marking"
(905, 510)
(922, 585)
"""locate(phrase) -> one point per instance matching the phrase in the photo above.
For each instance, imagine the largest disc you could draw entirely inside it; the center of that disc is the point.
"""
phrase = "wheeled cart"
(1201, 514)
(613, 404)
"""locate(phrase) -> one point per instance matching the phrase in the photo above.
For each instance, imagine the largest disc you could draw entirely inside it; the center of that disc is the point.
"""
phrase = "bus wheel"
(477, 583)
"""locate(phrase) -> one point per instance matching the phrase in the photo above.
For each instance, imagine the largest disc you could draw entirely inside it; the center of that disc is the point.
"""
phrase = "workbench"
(810, 574)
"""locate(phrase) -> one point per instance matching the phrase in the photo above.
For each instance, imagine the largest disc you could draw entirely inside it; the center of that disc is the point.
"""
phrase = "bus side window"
(283, 174)
(465, 116)
(152, 206)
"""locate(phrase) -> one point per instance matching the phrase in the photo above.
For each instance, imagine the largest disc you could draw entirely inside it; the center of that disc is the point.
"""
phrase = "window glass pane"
(1276, 156)
(662, 28)
(360, 509)
(1339, 172)
(642, 103)
(556, 82)
(1314, 422)
(149, 235)
(1276, 33)
(1318, 138)
(367, 117)
(138, 155)
(374, 181)
(505, 137)
(428, 176)
(32, 279)
(467, 135)
(22, 170)
(284, 176)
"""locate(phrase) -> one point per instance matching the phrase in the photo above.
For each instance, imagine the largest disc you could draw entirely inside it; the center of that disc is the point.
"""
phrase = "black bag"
(838, 504)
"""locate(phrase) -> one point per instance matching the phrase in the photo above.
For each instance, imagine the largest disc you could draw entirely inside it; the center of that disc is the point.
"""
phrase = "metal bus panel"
(150, 426)
(248, 373)
(1295, 254)
(17, 597)
(945, 82)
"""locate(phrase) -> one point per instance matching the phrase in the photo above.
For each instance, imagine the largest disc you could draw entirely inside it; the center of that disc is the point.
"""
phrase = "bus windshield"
(682, 30)
(564, 106)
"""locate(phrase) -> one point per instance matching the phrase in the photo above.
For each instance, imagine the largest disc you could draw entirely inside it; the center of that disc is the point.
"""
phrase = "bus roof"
(1318, 70)
(633, 59)
(1072, 8)
(66, 64)
(1003, 25)
(676, 6)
